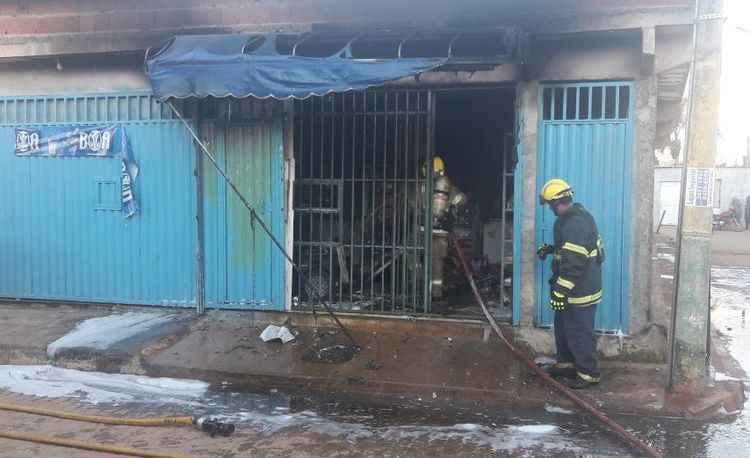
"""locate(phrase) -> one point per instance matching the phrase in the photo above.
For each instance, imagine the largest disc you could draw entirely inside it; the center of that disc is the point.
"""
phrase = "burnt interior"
(474, 137)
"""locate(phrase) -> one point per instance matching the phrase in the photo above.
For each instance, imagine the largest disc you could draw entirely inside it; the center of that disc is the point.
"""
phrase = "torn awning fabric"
(219, 66)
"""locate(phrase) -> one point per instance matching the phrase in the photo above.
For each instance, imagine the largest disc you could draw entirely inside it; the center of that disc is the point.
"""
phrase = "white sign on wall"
(700, 187)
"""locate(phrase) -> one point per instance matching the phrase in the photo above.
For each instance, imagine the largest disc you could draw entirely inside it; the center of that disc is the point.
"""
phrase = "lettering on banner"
(27, 141)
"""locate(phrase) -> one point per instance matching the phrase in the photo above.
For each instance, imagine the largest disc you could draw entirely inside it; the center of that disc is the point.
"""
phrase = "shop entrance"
(474, 137)
(371, 227)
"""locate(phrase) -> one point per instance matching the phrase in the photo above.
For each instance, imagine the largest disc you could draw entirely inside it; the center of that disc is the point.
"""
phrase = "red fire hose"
(584, 405)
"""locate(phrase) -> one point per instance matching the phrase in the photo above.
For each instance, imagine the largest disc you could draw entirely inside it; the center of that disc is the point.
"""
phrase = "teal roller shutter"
(244, 269)
(63, 236)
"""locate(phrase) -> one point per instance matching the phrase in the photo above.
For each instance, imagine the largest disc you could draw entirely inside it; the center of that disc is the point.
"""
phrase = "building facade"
(731, 190)
(528, 92)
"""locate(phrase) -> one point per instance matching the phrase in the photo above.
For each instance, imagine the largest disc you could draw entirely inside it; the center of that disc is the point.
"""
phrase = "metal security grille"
(586, 102)
(360, 199)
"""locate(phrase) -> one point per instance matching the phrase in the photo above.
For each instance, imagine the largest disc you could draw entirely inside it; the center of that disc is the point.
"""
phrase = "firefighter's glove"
(558, 301)
(544, 251)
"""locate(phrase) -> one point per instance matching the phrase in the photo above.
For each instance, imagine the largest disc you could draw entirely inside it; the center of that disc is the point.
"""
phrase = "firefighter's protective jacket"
(579, 254)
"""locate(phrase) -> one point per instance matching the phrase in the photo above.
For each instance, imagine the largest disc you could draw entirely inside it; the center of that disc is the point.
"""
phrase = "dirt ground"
(731, 249)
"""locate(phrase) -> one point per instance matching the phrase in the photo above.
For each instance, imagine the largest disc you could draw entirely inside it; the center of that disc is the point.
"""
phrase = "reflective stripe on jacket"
(579, 251)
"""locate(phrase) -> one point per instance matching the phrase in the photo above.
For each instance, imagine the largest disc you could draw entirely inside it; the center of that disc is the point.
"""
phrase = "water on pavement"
(409, 426)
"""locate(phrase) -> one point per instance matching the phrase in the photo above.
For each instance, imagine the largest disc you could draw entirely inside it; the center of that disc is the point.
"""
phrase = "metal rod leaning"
(255, 217)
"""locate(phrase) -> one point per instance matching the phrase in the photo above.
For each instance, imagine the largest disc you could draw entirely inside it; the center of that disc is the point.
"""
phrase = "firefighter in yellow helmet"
(441, 193)
(576, 285)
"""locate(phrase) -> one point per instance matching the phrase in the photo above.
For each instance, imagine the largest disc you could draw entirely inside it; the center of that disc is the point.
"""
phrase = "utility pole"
(691, 301)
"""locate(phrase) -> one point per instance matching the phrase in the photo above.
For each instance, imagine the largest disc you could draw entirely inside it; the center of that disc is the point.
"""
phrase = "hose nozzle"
(213, 426)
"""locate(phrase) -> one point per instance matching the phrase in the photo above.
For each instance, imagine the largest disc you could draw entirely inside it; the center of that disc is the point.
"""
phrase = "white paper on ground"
(273, 332)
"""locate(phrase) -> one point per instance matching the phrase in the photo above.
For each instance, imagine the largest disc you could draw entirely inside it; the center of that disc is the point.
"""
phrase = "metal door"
(243, 269)
(585, 137)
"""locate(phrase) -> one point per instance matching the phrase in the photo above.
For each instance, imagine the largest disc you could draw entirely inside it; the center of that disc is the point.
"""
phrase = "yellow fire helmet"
(553, 190)
(438, 165)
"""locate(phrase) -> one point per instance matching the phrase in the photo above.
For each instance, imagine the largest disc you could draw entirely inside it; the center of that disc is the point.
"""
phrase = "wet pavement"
(407, 429)
(730, 304)
(272, 420)
(555, 432)
(273, 423)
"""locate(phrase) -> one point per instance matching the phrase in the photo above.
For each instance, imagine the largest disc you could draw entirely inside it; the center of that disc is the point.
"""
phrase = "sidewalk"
(419, 362)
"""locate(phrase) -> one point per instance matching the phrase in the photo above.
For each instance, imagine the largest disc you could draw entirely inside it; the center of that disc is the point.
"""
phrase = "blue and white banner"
(109, 141)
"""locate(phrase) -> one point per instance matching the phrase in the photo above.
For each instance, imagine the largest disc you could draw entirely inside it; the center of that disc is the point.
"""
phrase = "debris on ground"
(273, 332)
(542, 361)
(326, 347)
(332, 354)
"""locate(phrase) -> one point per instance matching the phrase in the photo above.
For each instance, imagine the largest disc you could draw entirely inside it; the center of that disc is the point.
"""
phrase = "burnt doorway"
(475, 138)
(361, 207)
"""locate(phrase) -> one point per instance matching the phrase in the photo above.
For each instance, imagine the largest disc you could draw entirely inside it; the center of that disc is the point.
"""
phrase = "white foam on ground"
(548, 438)
(555, 409)
(97, 387)
(120, 389)
(102, 332)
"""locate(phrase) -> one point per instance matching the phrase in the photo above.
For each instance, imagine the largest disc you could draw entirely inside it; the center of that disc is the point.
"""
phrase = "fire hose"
(91, 446)
(584, 405)
(206, 424)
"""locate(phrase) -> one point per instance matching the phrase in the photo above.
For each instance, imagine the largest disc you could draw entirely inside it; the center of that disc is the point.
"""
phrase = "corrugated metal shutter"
(58, 243)
(585, 137)
(243, 267)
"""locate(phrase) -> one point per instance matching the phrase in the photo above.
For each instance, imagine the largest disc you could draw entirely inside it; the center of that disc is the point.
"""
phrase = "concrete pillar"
(528, 92)
(692, 307)
(642, 203)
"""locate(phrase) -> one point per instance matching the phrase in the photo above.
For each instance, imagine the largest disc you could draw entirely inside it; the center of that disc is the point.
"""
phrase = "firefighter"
(441, 193)
(576, 285)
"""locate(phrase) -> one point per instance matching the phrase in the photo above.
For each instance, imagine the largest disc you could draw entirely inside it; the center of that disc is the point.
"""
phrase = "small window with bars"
(586, 103)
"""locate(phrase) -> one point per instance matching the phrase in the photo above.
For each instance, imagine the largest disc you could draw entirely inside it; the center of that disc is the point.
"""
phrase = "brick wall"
(59, 27)
(33, 17)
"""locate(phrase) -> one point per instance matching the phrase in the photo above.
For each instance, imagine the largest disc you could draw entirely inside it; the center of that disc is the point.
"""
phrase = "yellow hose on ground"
(92, 446)
(163, 421)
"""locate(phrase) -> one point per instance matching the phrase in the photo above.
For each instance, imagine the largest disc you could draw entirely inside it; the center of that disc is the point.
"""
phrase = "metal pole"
(255, 217)
(504, 184)
(200, 290)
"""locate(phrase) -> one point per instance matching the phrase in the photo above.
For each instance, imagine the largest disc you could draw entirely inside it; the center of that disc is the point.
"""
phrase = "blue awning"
(223, 66)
